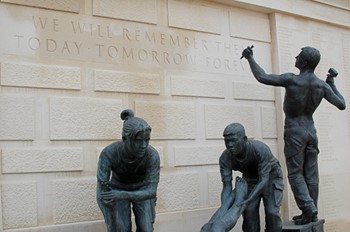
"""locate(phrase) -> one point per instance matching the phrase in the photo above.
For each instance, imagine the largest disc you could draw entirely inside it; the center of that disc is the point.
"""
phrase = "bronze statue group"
(128, 170)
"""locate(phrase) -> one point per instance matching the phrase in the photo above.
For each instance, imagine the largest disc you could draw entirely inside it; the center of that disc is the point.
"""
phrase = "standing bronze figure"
(128, 175)
(304, 93)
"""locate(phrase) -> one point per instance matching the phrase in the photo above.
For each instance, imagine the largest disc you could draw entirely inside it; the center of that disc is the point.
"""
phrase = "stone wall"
(68, 68)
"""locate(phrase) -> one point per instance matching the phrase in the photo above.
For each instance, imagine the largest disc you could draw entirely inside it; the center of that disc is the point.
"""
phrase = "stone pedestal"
(311, 227)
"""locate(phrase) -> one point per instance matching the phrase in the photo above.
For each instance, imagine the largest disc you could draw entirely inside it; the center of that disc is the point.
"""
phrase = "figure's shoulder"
(259, 146)
(291, 78)
(224, 156)
(152, 152)
(256, 143)
(319, 81)
(287, 79)
(112, 148)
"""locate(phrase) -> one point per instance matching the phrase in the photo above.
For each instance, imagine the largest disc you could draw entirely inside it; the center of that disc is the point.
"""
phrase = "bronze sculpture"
(225, 218)
(128, 174)
(262, 172)
(304, 93)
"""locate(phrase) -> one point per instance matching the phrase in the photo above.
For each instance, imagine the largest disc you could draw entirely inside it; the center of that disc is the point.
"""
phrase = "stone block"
(186, 86)
(194, 15)
(178, 191)
(17, 117)
(217, 117)
(259, 21)
(161, 154)
(92, 226)
(274, 149)
(19, 205)
(113, 81)
(197, 155)
(158, 148)
(74, 200)
(63, 5)
(169, 120)
(310, 227)
(136, 10)
(214, 188)
(269, 122)
(26, 160)
(252, 91)
(84, 118)
(40, 76)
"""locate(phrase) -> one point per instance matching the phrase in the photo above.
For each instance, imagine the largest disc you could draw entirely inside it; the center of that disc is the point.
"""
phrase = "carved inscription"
(114, 41)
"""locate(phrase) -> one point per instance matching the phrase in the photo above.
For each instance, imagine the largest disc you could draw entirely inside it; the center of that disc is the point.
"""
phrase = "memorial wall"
(68, 68)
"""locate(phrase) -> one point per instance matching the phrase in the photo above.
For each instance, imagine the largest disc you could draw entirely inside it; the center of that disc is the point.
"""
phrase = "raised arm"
(260, 75)
(332, 95)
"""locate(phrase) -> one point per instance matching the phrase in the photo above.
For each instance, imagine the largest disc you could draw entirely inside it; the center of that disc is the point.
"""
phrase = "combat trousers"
(272, 200)
(301, 152)
(118, 217)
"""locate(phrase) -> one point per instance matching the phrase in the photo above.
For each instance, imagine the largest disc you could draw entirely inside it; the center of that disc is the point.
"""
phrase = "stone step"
(310, 227)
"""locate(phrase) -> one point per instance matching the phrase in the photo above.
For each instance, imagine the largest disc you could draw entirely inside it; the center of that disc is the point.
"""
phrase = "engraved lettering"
(227, 48)
(191, 59)
(177, 60)
(112, 51)
(78, 46)
(204, 45)
(166, 57)
(195, 43)
(207, 61)
(65, 47)
(162, 39)
(227, 66)
(55, 25)
(128, 55)
(126, 34)
(150, 39)
(217, 63)
(187, 42)
(41, 21)
(91, 29)
(77, 27)
(155, 56)
(142, 55)
(19, 37)
(34, 43)
(137, 35)
(237, 49)
(99, 31)
(108, 32)
(174, 41)
(218, 46)
(51, 45)
(99, 49)
(124, 42)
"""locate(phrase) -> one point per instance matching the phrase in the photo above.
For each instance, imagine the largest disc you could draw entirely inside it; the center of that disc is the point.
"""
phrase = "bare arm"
(332, 95)
(264, 169)
(226, 191)
(149, 184)
(258, 188)
(260, 75)
(147, 192)
(103, 172)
